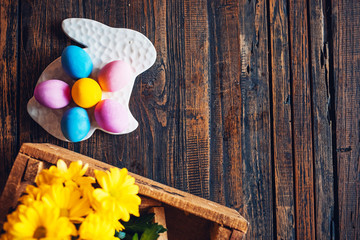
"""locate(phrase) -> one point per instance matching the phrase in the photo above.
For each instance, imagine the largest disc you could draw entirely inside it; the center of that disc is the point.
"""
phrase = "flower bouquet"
(65, 204)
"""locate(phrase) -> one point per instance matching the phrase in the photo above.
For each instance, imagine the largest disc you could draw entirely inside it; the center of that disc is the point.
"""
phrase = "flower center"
(40, 232)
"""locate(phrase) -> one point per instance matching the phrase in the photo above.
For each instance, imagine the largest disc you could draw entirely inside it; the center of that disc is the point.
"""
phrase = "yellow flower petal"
(39, 221)
(96, 227)
(118, 193)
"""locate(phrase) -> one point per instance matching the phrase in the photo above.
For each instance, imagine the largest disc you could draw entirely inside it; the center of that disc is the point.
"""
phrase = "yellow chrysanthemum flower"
(118, 193)
(96, 227)
(70, 201)
(34, 194)
(72, 175)
(39, 221)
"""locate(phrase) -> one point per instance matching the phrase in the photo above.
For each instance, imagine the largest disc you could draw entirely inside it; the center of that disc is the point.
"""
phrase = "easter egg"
(76, 62)
(86, 92)
(111, 116)
(115, 75)
(53, 94)
(75, 124)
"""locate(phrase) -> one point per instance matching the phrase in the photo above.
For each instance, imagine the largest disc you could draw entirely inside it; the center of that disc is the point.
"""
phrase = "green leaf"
(135, 237)
(152, 233)
(142, 226)
(138, 224)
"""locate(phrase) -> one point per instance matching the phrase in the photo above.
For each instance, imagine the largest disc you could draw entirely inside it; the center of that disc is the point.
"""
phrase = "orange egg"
(86, 92)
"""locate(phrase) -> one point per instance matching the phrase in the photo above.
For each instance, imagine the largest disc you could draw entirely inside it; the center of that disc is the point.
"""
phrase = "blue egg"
(76, 62)
(75, 124)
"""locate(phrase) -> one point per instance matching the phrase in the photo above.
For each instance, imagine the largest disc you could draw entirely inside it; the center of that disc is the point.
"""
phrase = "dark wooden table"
(252, 104)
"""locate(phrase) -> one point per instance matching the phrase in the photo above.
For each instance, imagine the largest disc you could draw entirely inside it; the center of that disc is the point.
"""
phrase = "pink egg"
(115, 75)
(111, 116)
(53, 94)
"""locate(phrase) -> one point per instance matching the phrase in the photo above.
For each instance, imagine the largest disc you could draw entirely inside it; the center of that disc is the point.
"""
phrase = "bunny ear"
(84, 31)
(106, 44)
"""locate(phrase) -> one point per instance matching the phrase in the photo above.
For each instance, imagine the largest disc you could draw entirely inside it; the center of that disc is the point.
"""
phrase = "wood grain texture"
(346, 55)
(8, 198)
(302, 120)
(8, 84)
(194, 108)
(322, 125)
(252, 104)
(240, 126)
(281, 114)
(256, 201)
(218, 232)
(224, 26)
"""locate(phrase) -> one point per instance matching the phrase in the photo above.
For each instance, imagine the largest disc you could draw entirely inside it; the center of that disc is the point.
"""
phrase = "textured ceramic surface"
(104, 44)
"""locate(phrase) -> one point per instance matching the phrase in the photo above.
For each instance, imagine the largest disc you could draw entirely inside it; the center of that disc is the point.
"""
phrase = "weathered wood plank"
(302, 122)
(153, 99)
(281, 112)
(237, 235)
(225, 98)
(256, 200)
(194, 97)
(346, 58)
(240, 127)
(218, 232)
(9, 95)
(323, 152)
(8, 197)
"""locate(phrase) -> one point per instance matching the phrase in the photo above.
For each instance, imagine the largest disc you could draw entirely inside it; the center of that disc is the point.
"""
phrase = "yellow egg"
(86, 92)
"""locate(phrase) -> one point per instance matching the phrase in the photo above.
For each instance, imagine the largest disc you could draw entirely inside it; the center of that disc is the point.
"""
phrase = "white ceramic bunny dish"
(104, 45)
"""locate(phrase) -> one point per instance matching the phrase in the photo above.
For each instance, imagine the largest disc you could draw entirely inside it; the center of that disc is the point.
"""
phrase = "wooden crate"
(185, 216)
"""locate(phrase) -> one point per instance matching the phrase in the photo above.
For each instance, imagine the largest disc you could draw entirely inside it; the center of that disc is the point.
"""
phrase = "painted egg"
(86, 92)
(115, 75)
(111, 116)
(76, 62)
(75, 124)
(53, 94)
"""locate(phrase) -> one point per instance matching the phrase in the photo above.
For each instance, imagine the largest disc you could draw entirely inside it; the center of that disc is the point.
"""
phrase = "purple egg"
(111, 116)
(53, 94)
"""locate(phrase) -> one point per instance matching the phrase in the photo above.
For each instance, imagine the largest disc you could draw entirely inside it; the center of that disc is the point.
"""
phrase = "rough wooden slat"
(323, 152)
(33, 168)
(218, 232)
(302, 122)
(255, 197)
(156, 96)
(194, 106)
(147, 203)
(8, 197)
(8, 84)
(240, 124)
(225, 99)
(176, 198)
(281, 110)
(346, 58)
(237, 235)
